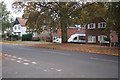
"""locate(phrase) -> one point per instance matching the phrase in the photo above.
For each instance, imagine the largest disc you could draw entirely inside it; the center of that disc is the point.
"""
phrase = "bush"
(35, 39)
(27, 37)
(14, 37)
(3, 35)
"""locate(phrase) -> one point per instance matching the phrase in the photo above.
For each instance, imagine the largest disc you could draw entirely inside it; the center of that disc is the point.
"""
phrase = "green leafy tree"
(4, 17)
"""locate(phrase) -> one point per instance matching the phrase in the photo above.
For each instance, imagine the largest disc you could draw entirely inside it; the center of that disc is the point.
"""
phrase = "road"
(28, 62)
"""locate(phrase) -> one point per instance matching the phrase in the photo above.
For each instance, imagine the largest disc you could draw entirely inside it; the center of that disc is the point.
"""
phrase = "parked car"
(57, 39)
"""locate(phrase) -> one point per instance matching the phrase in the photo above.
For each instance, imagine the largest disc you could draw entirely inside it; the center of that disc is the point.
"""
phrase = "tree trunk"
(64, 31)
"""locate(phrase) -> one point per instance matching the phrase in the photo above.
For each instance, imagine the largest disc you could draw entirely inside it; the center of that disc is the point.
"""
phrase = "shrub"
(35, 39)
(14, 37)
(27, 37)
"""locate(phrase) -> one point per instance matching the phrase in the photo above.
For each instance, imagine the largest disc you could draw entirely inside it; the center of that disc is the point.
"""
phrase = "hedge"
(27, 37)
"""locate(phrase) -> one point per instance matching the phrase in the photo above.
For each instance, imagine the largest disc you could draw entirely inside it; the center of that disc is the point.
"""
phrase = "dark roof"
(20, 21)
(16, 21)
(97, 20)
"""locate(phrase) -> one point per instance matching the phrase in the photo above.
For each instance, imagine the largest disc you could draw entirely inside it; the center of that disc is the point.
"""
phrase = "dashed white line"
(45, 70)
(26, 63)
(26, 60)
(20, 58)
(19, 61)
(6, 54)
(59, 70)
(34, 62)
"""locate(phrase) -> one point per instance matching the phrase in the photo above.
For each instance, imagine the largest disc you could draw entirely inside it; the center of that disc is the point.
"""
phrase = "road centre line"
(56, 52)
(106, 60)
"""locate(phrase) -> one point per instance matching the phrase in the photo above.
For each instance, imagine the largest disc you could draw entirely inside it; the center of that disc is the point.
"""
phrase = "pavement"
(29, 62)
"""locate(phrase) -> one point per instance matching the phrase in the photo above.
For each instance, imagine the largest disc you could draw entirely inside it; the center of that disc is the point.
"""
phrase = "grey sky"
(9, 8)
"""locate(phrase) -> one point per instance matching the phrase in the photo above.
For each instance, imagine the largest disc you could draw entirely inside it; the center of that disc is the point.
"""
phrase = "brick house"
(70, 31)
(95, 31)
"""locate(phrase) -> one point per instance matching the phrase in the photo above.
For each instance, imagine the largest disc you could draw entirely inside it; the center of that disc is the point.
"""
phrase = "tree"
(114, 17)
(58, 13)
(4, 16)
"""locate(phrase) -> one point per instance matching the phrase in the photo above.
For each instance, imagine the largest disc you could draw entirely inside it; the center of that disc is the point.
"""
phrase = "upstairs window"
(91, 26)
(19, 27)
(102, 25)
(15, 27)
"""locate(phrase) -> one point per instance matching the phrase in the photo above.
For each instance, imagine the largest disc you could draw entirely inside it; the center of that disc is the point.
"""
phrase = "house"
(19, 27)
(70, 31)
(95, 31)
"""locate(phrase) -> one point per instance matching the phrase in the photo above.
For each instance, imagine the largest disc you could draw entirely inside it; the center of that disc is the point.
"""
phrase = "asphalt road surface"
(28, 62)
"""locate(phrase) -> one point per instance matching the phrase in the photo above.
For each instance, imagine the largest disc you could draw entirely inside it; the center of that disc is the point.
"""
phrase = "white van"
(77, 38)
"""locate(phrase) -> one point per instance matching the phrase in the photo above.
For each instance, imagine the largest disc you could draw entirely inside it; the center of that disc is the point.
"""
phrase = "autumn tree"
(114, 17)
(95, 9)
(52, 13)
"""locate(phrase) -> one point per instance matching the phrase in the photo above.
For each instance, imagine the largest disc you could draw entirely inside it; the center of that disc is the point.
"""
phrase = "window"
(101, 38)
(91, 26)
(15, 27)
(91, 39)
(102, 25)
(75, 38)
(81, 37)
(19, 27)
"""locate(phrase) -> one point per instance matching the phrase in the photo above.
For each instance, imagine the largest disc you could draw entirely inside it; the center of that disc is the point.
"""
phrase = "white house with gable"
(19, 27)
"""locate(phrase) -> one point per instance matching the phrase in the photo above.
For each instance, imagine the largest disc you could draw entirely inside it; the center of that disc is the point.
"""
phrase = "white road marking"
(26, 60)
(57, 53)
(45, 70)
(26, 63)
(106, 60)
(5, 54)
(20, 58)
(59, 70)
(12, 59)
(34, 62)
(19, 61)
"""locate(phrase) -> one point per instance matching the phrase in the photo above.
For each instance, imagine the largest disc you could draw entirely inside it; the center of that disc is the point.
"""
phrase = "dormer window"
(102, 25)
(91, 26)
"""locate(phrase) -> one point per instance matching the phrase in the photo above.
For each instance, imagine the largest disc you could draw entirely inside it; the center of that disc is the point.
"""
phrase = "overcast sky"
(9, 7)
